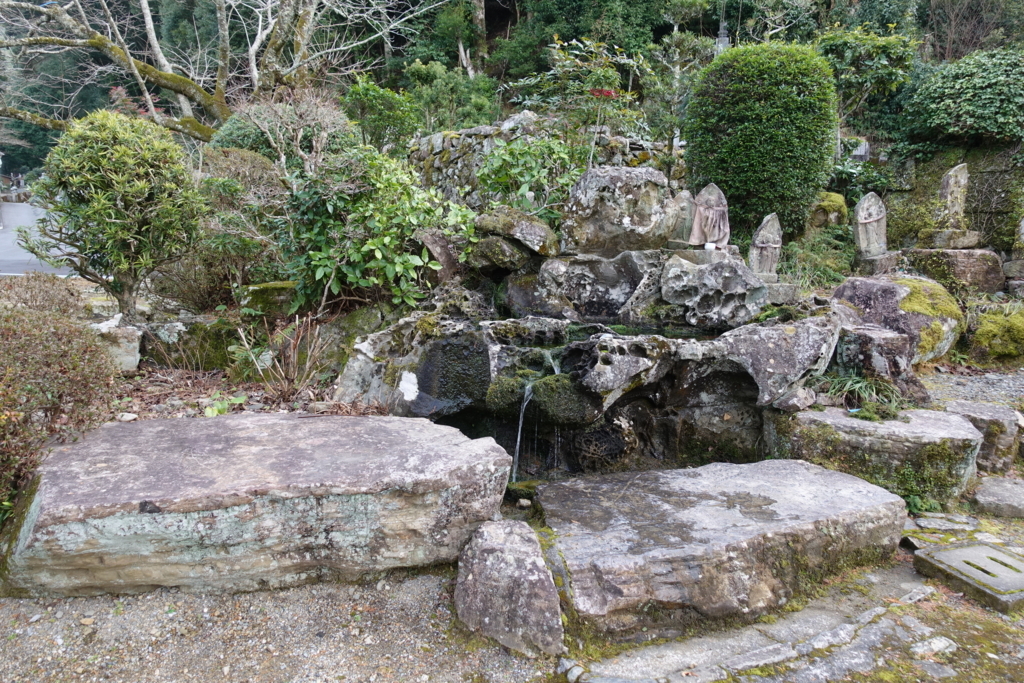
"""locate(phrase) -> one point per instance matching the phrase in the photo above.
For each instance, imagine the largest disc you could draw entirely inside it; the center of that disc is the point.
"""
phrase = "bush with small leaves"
(762, 126)
(63, 382)
(120, 202)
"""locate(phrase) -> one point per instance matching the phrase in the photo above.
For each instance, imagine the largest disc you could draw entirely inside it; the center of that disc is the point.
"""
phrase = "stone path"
(888, 620)
(1006, 388)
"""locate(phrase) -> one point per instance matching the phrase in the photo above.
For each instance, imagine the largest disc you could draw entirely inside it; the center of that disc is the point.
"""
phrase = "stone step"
(720, 541)
(245, 502)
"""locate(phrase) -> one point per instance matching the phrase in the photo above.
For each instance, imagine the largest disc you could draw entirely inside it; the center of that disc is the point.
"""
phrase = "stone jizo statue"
(869, 231)
(765, 248)
(711, 219)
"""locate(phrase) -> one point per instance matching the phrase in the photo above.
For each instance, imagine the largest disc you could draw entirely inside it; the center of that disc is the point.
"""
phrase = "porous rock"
(920, 308)
(597, 287)
(506, 591)
(497, 255)
(245, 502)
(931, 454)
(540, 294)
(613, 209)
(999, 425)
(719, 296)
(977, 269)
(719, 541)
(1000, 497)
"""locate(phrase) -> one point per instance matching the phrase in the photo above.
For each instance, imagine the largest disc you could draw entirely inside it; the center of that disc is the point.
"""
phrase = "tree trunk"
(480, 21)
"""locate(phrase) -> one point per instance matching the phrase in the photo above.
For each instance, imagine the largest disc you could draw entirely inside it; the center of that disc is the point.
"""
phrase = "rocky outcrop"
(245, 502)
(1000, 427)
(717, 542)
(975, 269)
(599, 288)
(874, 351)
(531, 232)
(506, 591)
(451, 160)
(613, 209)
(920, 308)
(928, 454)
(718, 296)
(123, 343)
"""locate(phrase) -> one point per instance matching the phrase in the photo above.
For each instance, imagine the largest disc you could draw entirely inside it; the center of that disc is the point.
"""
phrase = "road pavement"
(13, 259)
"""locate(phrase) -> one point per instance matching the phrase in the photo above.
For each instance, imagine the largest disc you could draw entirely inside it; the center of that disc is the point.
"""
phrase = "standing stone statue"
(765, 248)
(711, 220)
(684, 224)
(953, 195)
(869, 233)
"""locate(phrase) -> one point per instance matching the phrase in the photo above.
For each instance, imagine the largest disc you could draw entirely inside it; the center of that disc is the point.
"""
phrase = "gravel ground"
(990, 387)
(399, 629)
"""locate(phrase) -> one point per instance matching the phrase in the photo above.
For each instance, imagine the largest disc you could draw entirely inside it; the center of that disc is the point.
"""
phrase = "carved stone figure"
(711, 220)
(869, 233)
(765, 248)
(953, 195)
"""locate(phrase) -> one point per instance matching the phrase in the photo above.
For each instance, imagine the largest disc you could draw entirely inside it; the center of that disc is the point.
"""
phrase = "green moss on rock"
(930, 299)
(505, 396)
(561, 402)
(999, 335)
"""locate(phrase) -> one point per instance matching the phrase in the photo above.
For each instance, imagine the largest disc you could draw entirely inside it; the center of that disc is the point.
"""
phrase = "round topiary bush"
(980, 96)
(63, 382)
(762, 126)
(120, 202)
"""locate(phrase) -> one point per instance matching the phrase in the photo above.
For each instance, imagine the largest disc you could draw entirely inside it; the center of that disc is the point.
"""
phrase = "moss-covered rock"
(202, 343)
(830, 209)
(340, 334)
(999, 336)
(926, 455)
(269, 298)
(563, 403)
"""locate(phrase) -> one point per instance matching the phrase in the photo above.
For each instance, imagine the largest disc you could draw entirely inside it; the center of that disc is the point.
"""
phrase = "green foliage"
(222, 405)
(448, 99)
(853, 179)
(583, 89)
(628, 25)
(62, 382)
(761, 126)
(866, 65)
(822, 258)
(354, 226)
(883, 15)
(452, 24)
(980, 96)
(385, 117)
(533, 175)
(674, 65)
(120, 202)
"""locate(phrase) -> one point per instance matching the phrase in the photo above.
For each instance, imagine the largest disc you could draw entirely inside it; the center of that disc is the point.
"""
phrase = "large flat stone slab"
(245, 502)
(663, 548)
(925, 453)
(1001, 497)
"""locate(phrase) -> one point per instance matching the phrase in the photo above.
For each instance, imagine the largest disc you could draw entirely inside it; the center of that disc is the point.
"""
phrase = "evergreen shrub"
(62, 382)
(762, 126)
(980, 96)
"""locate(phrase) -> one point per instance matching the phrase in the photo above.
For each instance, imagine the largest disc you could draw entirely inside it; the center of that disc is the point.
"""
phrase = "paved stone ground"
(886, 624)
(1005, 387)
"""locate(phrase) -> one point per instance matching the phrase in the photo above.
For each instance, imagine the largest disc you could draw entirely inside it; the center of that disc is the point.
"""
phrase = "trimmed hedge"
(61, 380)
(762, 126)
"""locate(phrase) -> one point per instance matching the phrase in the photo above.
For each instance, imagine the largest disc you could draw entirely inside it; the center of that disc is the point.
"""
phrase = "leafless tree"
(959, 27)
(290, 43)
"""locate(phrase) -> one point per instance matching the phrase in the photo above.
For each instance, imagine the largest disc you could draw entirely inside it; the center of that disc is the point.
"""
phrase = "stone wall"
(450, 160)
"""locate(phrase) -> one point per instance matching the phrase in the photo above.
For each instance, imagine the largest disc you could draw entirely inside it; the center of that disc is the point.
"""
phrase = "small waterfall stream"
(527, 395)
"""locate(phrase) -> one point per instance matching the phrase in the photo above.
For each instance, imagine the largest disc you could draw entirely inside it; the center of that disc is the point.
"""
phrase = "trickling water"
(551, 361)
(527, 395)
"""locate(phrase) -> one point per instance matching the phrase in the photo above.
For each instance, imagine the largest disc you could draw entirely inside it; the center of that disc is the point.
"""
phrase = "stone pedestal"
(781, 293)
(877, 265)
(978, 269)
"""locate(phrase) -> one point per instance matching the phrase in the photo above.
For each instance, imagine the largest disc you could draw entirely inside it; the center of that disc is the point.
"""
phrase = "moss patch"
(930, 299)
(999, 335)
(561, 402)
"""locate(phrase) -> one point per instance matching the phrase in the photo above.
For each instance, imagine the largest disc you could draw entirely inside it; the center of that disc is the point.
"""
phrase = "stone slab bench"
(246, 502)
(664, 548)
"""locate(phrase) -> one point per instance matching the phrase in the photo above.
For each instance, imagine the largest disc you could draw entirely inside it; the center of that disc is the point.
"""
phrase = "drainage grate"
(991, 575)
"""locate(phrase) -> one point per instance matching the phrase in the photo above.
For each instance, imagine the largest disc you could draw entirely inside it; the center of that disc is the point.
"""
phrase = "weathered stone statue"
(953, 195)
(869, 233)
(711, 220)
(765, 248)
